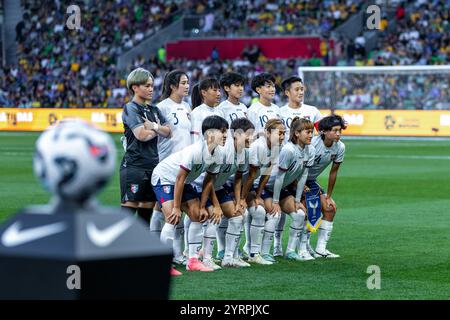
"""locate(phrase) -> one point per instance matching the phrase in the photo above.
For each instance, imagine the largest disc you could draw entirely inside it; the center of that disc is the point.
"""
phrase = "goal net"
(393, 87)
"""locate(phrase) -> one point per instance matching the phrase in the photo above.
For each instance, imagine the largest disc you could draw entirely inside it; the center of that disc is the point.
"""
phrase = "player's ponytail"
(196, 95)
(299, 124)
(171, 78)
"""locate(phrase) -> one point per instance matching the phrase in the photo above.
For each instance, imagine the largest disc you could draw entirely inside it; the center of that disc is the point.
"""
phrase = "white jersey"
(293, 161)
(324, 156)
(311, 113)
(262, 157)
(179, 118)
(231, 111)
(197, 116)
(195, 159)
(305, 111)
(231, 163)
(259, 114)
(287, 115)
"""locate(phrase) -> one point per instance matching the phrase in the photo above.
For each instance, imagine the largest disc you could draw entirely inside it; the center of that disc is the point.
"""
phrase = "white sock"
(167, 233)
(247, 219)
(257, 229)
(186, 223)
(279, 231)
(178, 240)
(295, 230)
(323, 235)
(157, 222)
(195, 236)
(304, 239)
(236, 250)
(221, 231)
(269, 230)
(209, 236)
(233, 235)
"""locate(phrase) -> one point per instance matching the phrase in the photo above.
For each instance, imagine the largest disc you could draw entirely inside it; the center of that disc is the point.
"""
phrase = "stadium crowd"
(80, 70)
(281, 17)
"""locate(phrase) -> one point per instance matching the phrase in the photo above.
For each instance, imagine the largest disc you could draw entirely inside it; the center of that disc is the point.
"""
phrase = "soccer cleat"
(327, 254)
(195, 265)
(211, 264)
(174, 272)
(238, 262)
(292, 256)
(311, 251)
(278, 251)
(244, 254)
(305, 256)
(259, 260)
(269, 257)
(182, 260)
(220, 254)
(228, 263)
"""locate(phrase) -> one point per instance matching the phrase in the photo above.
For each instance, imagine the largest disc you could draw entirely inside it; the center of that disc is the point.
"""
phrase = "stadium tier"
(57, 67)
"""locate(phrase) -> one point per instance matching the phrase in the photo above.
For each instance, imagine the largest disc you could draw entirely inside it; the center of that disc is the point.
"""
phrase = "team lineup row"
(229, 168)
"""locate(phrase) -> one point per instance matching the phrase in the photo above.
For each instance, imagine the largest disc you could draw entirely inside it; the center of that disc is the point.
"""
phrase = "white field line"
(387, 156)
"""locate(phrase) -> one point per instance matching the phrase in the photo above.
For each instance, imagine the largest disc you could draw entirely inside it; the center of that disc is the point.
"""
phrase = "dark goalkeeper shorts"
(135, 185)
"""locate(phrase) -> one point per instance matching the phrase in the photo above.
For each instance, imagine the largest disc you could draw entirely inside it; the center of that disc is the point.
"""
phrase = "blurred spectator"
(215, 54)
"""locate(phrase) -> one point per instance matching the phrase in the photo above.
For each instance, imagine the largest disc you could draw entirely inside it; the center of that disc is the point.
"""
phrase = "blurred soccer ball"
(74, 160)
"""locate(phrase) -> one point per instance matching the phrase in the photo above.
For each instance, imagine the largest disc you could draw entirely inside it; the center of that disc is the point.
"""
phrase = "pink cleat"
(174, 272)
(196, 265)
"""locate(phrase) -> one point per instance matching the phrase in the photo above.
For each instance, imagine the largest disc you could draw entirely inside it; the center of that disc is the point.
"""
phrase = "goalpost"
(384, 87)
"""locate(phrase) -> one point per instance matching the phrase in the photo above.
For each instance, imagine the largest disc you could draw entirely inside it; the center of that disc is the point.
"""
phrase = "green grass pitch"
(393, 201)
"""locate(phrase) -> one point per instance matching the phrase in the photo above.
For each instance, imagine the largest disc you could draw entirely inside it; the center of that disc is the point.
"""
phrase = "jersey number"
(233, 116)
(175, 116)
(318, 158)
(263, 119)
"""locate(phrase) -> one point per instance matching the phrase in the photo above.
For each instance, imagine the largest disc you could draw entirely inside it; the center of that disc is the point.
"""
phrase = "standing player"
(233, 85)
(263, 155)
(294, 89)
(177, 113)
(262, 111)
(329, 149)
(296, 156)
(205, 98)
(142, 123)
(172, 180)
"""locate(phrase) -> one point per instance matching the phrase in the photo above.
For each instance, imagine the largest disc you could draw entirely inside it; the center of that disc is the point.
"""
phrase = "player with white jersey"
(262, 111)
(232, 84)
(294, 89)
(227, 188)
(177, 113)
(172, 178)
(205, 98)
(296, 156)
(329, 149)
(263, 156)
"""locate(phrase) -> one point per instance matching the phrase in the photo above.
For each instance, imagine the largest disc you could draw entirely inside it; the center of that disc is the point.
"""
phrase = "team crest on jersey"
(166, 189)
(134, 188)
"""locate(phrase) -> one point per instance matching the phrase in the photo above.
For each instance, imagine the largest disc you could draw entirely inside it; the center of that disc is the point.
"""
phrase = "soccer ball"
(74, 160)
